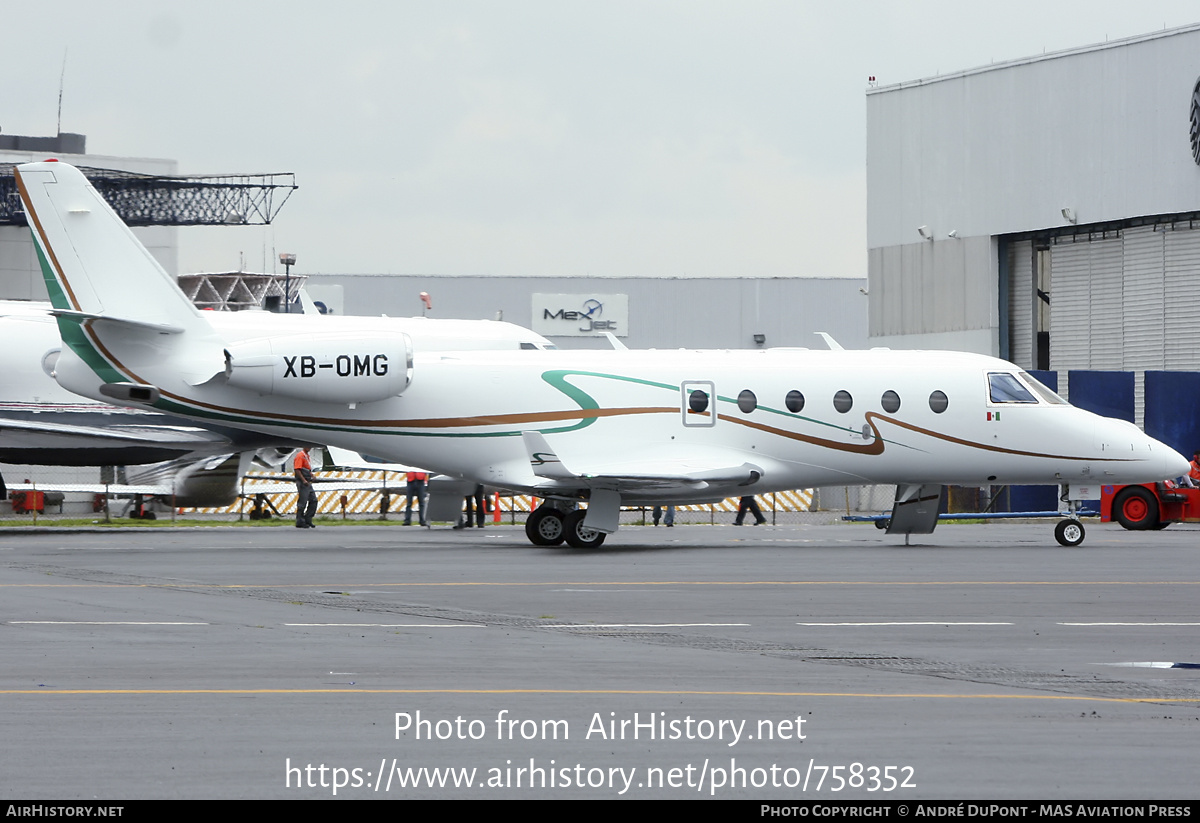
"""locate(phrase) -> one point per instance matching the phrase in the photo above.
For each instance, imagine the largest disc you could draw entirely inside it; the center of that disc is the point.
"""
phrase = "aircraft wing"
(657, 474)
(93, 488)
(32, 441)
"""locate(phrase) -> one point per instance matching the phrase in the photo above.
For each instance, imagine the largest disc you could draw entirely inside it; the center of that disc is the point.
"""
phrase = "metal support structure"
(156, 200)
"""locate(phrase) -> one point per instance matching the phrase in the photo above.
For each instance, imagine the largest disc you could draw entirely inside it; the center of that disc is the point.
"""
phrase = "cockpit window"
(1043, 391)
(1006, 388)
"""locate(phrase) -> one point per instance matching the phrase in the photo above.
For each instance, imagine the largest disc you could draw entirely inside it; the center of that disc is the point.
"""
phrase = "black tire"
(544, 527)
(883, 523)
(1069, 532)
(580, 536)
(1136, 508)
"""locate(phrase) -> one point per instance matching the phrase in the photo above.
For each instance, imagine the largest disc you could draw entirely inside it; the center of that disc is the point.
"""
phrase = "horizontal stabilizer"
(162, 328)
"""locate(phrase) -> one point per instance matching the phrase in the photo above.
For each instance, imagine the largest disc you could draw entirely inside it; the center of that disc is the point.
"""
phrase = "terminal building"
(1047, 211)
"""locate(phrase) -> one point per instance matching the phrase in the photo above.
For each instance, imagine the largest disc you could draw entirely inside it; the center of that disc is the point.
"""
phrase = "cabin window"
(747, 402)
(1006, 388)
(697, 399)
(842, 401)
(890, 402)
(938, 402)
(794, 401)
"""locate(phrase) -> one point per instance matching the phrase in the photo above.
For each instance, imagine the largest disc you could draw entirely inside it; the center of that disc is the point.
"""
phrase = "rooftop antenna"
(61, 80)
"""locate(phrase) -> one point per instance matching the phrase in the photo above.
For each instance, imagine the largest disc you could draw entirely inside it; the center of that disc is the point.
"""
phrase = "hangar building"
(642, 312)
(1045, 210)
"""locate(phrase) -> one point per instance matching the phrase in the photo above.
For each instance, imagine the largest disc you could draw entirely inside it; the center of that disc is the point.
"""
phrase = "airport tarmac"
(794, 662)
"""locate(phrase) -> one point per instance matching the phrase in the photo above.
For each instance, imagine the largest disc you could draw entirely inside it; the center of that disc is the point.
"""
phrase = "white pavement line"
(1157, 664)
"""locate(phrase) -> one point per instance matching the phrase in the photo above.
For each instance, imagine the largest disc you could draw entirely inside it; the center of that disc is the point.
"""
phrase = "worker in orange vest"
(306, 496)
(415, 488)
(1194, 474)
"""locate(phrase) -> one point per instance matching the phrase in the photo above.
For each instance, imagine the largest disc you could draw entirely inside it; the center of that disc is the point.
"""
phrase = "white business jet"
(605, 427)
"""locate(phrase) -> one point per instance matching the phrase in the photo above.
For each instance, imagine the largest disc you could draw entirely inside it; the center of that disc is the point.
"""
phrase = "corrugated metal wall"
(1021, 295)
(1127, 300)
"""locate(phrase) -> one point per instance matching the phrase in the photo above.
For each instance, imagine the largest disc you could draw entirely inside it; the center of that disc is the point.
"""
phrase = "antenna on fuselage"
(614, 342)
(830, 342)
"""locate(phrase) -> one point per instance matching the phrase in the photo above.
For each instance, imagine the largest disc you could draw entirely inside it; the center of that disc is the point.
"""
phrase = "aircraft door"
(698, 403)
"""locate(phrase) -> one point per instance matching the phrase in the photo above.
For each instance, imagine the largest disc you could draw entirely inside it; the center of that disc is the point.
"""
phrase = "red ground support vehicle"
(1149, 506)
(25, 502)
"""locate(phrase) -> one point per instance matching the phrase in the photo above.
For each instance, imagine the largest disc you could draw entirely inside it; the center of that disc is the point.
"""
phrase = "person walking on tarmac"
(306, 496)
(749, 504)
(415, 488)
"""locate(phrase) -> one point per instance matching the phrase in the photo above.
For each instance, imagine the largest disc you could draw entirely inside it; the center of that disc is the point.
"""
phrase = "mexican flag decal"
(993, 416)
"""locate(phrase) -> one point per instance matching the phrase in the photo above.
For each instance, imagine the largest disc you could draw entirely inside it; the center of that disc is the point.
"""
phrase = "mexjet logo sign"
(580, 315)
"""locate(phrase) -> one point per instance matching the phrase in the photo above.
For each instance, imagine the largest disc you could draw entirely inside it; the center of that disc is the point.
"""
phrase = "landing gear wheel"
(883, 524)
(1069, 532)
(544, 527)
(580, 536)
(1136, 508)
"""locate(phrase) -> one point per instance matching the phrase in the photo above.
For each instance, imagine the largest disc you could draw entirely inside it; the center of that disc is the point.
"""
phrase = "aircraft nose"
(1174, 464)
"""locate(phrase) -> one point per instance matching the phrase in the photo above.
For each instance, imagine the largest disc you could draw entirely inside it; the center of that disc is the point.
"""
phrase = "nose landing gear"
(1069, 532)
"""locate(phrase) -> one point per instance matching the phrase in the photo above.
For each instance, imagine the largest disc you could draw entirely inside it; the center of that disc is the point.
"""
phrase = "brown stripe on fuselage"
(984, 446)
(874, 447)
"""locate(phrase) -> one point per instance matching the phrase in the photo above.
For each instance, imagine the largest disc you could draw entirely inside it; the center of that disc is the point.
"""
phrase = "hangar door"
(1126, 300)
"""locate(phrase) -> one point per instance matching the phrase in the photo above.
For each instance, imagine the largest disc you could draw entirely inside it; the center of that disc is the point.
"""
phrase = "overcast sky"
(550, 137)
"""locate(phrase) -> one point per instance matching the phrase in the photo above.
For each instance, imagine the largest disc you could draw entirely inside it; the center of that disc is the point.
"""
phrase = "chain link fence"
(47, 494)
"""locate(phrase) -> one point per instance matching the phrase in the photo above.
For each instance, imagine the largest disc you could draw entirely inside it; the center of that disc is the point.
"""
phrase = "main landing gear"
(548, 526)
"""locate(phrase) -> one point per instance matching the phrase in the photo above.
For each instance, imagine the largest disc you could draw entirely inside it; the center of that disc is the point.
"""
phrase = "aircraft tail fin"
(123, 320)
(90, 258)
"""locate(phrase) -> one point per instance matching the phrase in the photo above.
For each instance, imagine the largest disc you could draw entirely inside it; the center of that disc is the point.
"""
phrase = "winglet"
(543, 459)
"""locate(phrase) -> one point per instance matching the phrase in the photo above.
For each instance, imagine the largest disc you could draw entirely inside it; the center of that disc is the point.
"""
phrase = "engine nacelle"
(324, 368)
